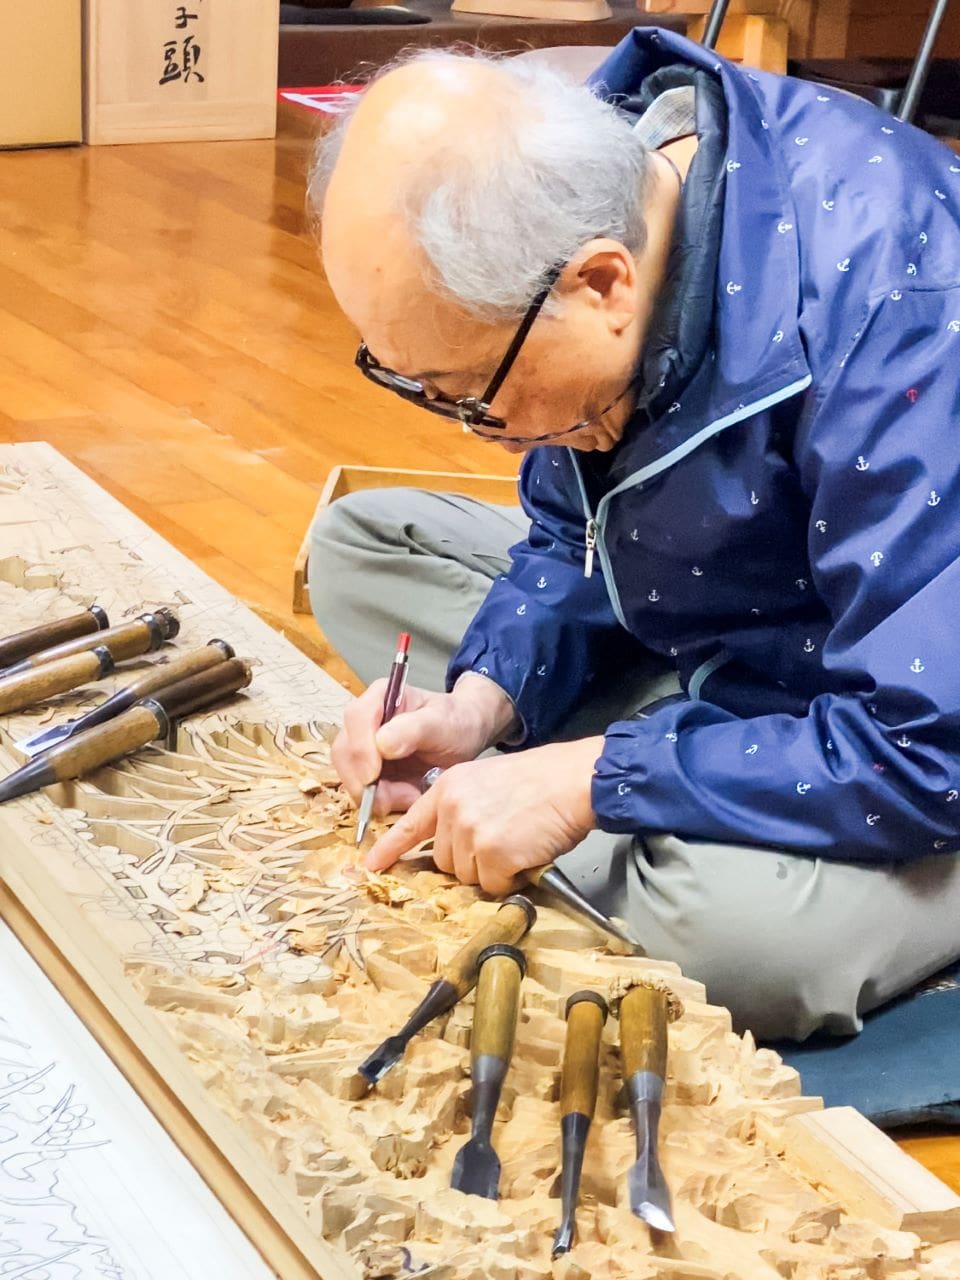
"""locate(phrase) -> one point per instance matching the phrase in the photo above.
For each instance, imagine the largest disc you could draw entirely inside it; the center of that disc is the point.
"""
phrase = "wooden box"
(342, 480)
(40, 90)
(163, 72)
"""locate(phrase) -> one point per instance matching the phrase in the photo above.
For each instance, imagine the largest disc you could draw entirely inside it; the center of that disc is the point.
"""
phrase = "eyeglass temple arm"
(518, 338)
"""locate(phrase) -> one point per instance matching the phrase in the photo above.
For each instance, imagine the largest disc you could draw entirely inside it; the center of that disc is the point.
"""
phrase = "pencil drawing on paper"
(45, 1129)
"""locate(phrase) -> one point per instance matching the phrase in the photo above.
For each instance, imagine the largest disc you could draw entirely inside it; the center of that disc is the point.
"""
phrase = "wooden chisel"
(551, 878)
(516, 916)
(586, 1013)
(17, 647)
(476, 1169)
(36, 684)
(129, 640)
(130, 730)
(159, 676)
(643, 1044)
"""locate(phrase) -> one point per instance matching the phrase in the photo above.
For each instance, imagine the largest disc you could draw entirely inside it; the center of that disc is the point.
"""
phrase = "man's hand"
(433, 729)
(494, 818)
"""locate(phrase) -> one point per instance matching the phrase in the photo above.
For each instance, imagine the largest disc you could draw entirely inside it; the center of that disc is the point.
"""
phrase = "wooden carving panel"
(203, 908)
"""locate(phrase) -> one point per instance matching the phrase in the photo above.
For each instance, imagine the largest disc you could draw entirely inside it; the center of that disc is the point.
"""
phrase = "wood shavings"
(381, 887)
(308, 940)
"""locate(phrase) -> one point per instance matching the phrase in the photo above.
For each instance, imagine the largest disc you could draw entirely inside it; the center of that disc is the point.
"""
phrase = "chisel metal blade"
(50, 737)
(441, 997)
(649, 1194)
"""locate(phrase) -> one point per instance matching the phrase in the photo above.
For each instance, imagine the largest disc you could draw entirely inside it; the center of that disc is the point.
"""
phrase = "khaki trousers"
(789, 944)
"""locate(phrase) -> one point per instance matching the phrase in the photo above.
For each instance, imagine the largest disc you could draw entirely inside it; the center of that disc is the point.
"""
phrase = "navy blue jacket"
(788, 530)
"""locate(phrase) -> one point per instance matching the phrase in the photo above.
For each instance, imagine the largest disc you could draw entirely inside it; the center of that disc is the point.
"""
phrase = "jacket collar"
(732, 294)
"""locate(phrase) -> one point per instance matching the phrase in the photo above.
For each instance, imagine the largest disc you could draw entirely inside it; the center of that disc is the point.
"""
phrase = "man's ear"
(602, 275)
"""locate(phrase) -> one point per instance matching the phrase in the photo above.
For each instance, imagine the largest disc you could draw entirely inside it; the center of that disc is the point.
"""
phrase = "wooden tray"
(501, 490)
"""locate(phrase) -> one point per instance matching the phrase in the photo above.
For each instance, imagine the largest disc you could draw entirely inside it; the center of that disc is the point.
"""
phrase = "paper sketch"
(90, 1183)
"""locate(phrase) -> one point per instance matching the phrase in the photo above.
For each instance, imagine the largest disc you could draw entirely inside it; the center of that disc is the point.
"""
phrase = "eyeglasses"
(472, 411)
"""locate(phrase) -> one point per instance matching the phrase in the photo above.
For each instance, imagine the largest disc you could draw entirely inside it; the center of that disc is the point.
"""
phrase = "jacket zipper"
(590, 538)
(593, 533)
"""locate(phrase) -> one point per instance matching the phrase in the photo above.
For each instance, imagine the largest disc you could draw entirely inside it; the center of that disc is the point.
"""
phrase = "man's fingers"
(417, 824)
(465, 863)
(354, 753)
(442, 849)
(420, 729)
(493, 879)
(394, 797)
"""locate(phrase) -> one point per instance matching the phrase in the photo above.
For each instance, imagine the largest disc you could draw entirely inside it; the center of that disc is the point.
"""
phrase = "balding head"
(425, 118)
(453, 187)
(496, 168)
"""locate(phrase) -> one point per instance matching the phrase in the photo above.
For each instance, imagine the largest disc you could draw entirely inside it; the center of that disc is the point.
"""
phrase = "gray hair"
(569, 168)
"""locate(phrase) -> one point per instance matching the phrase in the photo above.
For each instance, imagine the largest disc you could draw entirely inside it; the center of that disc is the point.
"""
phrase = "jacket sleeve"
(873, 774)
(546, 633)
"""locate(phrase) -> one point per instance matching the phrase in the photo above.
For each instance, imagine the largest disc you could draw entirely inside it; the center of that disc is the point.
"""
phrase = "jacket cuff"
(621, 793)
(509, 679)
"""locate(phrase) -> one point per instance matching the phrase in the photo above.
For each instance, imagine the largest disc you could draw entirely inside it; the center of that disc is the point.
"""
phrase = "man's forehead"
(427, 341)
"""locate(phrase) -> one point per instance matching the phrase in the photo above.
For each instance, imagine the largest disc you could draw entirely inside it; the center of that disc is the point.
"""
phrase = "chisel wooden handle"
(498, 1002)
(515, 917)
(586, 1014)
(17, 647)
(40, 683)
(129, 640)
(126, 732)
(119, 737)
(203, 688)
(143, 723)
(162, 674)
(643, 1031)
(533, 875)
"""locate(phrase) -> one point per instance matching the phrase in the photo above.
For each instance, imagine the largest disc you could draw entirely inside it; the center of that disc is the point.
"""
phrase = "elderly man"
(719, 312)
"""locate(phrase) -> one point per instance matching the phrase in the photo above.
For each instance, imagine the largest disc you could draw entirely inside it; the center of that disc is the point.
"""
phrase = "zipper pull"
(590, 537)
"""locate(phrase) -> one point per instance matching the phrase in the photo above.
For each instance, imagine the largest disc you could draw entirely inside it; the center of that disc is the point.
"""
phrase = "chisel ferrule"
(487, 1074)
(591, 997)
(168, 622)
(105, 660)
(504, 949)
(157, 629)
(155, 709)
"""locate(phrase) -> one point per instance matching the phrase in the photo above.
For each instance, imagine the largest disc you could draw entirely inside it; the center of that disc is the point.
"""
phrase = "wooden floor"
(165, 324)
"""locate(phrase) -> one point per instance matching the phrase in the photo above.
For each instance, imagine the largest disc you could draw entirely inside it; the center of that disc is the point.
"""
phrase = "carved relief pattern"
(221, 873)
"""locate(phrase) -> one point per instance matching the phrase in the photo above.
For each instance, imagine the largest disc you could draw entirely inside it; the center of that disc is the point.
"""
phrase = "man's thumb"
(404, 735)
